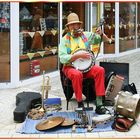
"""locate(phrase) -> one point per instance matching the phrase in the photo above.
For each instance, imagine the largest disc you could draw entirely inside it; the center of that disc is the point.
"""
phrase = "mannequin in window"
(37, 43)
(35, 24)
(50, 20)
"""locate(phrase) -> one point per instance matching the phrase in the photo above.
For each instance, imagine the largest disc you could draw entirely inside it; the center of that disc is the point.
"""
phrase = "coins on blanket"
(36, 114)
(49, 123)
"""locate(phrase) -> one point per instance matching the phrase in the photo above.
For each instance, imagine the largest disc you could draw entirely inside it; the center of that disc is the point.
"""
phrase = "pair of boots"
(100, 109)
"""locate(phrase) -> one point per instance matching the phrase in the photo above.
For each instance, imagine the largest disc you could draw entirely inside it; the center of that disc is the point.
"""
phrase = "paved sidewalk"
(7, 105)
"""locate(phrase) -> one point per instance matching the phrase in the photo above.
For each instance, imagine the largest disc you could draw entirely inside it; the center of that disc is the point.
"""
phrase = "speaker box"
(121, 69)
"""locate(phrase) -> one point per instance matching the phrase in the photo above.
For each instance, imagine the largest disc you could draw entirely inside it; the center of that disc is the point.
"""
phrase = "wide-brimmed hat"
(73, 18)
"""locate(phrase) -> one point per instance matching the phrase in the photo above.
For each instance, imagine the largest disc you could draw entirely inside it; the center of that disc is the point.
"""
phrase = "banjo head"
(83, 65)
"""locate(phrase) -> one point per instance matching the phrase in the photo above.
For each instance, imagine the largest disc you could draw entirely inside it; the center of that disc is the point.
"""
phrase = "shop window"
(138, 25)
(109, 26)
(127, 26)
(38, 37)
(95, 14)
(4, 42)
(95, 21)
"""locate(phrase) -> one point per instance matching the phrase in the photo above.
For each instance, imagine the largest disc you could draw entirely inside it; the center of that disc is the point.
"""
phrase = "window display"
(127, 21)
(109, 26)
(38, 36)
(4, 42)
(95, 21)
(95, 14)
(4, 17)
(138, 25)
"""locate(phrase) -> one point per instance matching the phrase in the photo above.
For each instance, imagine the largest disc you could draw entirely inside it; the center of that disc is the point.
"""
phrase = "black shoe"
(101, 110)
(80, 104)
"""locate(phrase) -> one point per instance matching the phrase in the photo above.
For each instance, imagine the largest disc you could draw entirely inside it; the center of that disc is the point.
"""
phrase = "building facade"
(29, 39)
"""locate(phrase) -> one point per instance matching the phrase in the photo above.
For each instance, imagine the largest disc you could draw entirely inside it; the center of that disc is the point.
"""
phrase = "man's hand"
(85, 55)
(99, 31)
(82, 55)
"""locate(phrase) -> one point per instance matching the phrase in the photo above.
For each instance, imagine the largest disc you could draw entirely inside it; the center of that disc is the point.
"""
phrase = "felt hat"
(73, 18)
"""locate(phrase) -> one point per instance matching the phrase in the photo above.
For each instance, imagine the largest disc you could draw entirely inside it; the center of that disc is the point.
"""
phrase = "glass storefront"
(109, 26)
(4, 42)
(38, 38)
(95, 15)
(138, 25)
(127, 26)
(95, 21)
(38, 33)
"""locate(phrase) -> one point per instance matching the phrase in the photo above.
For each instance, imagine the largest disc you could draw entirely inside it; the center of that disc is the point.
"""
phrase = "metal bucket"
(127, 105)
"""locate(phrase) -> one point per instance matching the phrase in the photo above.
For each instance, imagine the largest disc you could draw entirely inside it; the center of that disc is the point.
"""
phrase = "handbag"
(131, 88)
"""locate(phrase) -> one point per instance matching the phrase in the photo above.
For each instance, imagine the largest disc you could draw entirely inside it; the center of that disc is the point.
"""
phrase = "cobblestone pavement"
(8, 127)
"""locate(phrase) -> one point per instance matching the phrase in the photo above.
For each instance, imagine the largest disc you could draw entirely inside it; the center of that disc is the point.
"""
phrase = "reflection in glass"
(109, 26)
(127, 26)
(95, 21)
(94, 14)
(4, 42)
(38, 37)
(138, 25)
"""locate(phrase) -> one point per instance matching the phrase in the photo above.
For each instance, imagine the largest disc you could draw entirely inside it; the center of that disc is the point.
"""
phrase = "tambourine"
(101, 119)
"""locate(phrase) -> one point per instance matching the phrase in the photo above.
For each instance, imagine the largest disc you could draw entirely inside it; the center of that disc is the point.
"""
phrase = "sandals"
(122, 124)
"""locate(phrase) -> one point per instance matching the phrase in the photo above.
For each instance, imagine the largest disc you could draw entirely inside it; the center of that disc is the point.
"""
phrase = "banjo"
(84, 65)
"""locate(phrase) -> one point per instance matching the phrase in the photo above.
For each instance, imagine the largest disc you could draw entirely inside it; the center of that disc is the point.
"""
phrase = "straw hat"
(72, 18)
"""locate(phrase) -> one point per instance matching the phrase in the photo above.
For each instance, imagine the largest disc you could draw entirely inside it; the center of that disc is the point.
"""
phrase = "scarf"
(72, 45)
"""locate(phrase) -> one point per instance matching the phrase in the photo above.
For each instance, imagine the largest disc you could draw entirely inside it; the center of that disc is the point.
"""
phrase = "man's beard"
(76, 32)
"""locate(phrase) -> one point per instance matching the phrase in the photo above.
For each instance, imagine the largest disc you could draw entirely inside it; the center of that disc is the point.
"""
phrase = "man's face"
(74, 26)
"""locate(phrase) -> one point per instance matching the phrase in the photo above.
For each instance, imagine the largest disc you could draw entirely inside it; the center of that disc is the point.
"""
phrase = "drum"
(127, 105)
(114, 86)
(83, 65)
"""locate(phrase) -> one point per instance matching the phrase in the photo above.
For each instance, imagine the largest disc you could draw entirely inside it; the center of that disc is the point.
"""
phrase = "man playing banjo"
(76, 39)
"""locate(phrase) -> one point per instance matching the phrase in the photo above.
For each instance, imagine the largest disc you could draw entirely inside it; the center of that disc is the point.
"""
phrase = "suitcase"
(24, 102)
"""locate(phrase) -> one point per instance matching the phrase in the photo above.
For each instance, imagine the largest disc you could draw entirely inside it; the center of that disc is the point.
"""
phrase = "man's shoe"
(80, 105)
(101, 110)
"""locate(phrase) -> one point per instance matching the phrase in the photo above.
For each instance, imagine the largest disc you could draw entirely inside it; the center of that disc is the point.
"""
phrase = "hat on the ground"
(72, 18)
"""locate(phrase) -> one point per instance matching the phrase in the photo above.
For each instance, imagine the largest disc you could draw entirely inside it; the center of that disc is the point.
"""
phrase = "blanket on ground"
(29, 125)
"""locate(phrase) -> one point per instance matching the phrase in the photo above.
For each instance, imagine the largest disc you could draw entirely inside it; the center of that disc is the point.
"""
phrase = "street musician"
(76, 39)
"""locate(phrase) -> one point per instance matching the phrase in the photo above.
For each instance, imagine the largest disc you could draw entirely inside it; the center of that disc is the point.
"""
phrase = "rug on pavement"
(29, 125)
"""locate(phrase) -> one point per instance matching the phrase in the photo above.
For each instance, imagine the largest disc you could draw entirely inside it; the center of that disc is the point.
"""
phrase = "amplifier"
(114, 86)
(121, 69)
